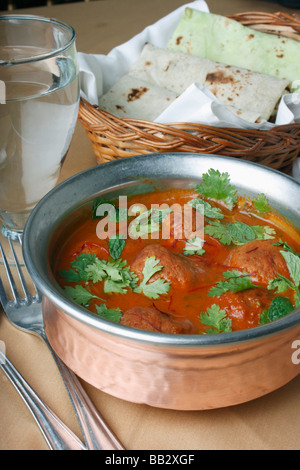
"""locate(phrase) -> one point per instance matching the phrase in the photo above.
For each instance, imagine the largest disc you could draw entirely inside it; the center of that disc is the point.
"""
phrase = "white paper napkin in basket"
(98, 73)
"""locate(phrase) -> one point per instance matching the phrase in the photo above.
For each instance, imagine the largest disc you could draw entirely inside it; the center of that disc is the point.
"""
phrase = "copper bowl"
(182, 372)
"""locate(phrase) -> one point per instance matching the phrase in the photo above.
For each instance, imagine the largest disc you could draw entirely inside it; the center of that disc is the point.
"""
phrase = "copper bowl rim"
(38, 230)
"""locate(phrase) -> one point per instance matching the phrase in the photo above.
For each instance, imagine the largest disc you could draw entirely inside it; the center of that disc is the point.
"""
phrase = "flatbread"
(227, 41)
(134, 98)
(247, 93)
(175, 71)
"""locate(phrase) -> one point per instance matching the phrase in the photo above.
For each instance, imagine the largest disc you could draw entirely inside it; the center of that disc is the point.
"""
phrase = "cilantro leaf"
(115, 214)
(114, 269)
(280, 306)
(297, 298)
(235, 282)
(158, 214)
(116, 275)
(159, 286)
(150, 268)
(263, 232)
(156, 288)
(217, 186)
(263, 318)
(119, 277)
(206, 209)
(129, 277)
(219, 231)
(112, 314)
(78, 272)
(80, 295)
(261, 204)
(194, 246)
(238, 233)
(147, 222)
(281, 283)
(119, 287)
(142, 225)
(116, 245)
(95, 272)
(217, 319)
(286, 247)
(108, 206)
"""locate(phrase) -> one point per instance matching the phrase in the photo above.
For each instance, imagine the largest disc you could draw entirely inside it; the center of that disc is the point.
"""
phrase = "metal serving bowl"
(183, 372)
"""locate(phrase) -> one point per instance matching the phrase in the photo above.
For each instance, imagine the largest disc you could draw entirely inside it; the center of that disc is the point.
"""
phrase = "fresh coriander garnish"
(78, 272)
(96, 271)
(80, 295)
(279, 308)
(194, 246)
(264, 232)
(261, 204)
(286, 247)
(112, 314)
(281, 283)
(116, 214)
(217, 186)
(235, 281)
(206, 209)
(238, 233)
(217, 319)
(116, 275)
(101, 202)
(156, 288)
(147, 222)
(219, 231)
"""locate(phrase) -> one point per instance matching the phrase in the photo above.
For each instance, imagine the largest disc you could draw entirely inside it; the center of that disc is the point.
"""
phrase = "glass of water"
(39, 98)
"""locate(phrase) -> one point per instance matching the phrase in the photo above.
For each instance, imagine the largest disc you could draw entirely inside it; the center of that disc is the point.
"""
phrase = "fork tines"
(26, 297)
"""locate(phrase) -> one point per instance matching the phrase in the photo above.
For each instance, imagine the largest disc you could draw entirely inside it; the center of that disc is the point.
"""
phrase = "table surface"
(271, 422)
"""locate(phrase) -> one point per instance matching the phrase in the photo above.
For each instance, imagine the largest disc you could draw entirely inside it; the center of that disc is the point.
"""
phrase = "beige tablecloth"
(271, 422)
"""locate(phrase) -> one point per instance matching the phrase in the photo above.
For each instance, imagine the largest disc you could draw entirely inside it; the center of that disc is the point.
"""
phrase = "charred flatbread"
(244, 91)
(134, 98)
(227, 41)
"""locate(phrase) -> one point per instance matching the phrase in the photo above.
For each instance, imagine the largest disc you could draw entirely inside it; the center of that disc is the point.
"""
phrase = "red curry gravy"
(190, 276)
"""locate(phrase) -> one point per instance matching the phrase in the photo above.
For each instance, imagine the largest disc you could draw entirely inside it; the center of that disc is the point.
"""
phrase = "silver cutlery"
(25, 312)
(56, 434)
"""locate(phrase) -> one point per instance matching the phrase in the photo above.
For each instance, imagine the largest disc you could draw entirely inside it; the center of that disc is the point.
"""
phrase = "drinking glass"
(39, 98)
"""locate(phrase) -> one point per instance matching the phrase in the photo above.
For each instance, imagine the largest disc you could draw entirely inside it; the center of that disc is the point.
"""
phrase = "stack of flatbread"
(225, 40)
(161, 75)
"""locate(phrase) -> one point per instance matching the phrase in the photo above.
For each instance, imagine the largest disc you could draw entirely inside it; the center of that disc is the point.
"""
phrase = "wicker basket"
(113, 138)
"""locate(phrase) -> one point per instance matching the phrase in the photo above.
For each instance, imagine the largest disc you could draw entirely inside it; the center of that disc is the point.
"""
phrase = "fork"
(25, 312)
(56, 434)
